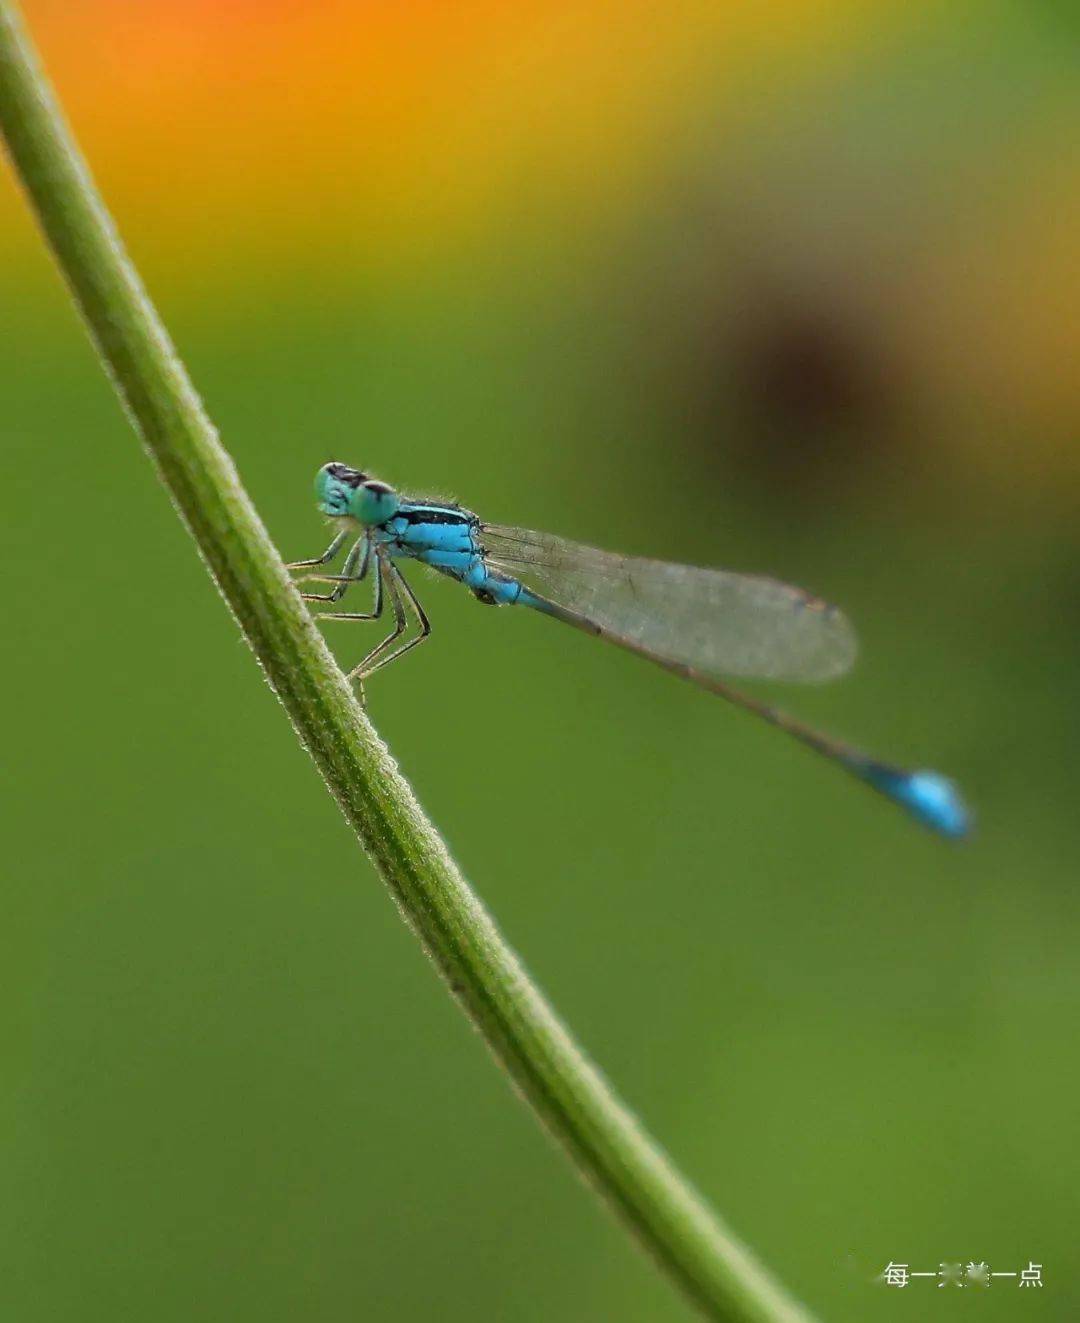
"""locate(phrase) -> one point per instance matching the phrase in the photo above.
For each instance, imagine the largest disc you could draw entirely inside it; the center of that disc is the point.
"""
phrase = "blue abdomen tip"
(929, 797)
(935, 801)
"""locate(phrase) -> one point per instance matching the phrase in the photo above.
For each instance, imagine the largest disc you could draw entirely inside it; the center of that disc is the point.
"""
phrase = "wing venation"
(720, 622)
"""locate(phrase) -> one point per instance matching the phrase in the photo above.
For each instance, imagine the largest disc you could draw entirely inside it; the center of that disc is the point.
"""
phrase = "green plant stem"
(566, 1091)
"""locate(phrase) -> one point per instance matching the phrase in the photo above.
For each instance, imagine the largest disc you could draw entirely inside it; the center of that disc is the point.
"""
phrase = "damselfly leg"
(359, 553)
(398, 584)
(389, 583)
(377, 606)
(327, 556)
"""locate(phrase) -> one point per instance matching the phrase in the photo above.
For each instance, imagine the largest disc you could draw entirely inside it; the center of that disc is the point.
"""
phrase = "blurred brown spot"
(805, 373)
(812, 392)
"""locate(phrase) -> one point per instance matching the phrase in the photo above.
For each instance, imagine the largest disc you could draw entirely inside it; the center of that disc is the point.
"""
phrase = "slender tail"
(931, 799)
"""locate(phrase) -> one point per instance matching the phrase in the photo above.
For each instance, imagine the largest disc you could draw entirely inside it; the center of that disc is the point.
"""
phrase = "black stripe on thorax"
(436, 514)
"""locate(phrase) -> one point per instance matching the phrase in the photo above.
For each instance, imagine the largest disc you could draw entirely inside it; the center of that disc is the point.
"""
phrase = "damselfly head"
(342, 492)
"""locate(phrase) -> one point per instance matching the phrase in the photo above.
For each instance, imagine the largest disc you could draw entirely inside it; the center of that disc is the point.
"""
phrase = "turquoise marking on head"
(344, 492)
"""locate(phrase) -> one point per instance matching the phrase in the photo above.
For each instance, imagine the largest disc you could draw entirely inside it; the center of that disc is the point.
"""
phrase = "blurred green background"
(788, 287)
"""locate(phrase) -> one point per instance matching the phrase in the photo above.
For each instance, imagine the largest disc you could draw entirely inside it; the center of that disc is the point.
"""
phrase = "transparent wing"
(715, 621)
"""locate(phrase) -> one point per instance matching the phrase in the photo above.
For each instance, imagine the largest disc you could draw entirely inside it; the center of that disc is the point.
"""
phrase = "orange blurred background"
(355, 143)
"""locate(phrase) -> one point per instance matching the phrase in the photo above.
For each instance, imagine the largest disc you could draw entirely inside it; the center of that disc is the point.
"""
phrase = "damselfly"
(702, 624)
